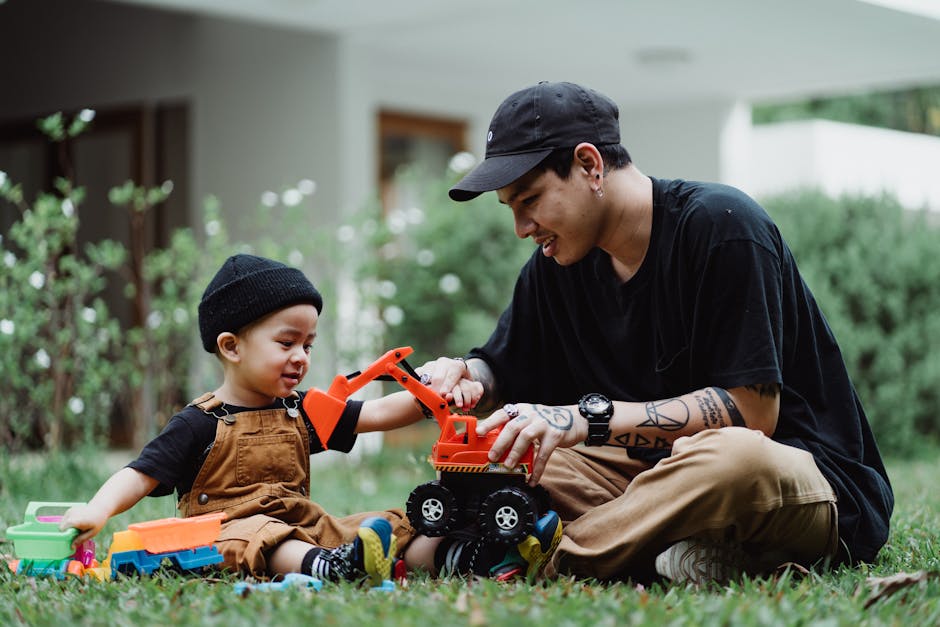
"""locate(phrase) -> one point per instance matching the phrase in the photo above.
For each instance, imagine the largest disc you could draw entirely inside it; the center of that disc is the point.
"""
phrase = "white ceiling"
(638, 51)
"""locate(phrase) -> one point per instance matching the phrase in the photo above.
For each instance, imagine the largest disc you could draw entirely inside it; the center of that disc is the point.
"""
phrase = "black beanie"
(247, 288)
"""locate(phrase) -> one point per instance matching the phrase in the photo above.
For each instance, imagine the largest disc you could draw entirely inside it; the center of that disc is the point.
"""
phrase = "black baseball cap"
(533, 122)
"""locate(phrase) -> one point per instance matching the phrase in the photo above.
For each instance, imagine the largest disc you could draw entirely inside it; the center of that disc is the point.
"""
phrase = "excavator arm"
(324, 409)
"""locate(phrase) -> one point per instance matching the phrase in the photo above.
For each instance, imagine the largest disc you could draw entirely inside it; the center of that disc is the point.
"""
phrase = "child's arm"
(388, 412)
(119, 493)
(401, 408)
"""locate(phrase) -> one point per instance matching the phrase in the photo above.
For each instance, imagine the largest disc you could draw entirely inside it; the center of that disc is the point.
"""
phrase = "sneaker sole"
(378, 553)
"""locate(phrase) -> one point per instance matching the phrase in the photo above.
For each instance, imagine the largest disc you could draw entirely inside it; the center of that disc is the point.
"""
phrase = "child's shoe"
(531, 555)
(370, 555)
(377, 546)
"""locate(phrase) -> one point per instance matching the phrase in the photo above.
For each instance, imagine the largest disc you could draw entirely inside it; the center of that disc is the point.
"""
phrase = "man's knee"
(731, 458)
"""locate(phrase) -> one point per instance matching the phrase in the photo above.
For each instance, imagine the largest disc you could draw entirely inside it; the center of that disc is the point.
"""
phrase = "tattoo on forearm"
(769, 390)
(559, 417)
(669, 415)
(710, 406)
(630, 440)
(736, 418)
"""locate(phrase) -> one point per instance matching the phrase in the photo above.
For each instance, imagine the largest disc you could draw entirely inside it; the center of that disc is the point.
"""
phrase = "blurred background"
(143, 141)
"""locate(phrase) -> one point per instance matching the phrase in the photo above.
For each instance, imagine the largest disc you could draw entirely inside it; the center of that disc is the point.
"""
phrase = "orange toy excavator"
(470, 490)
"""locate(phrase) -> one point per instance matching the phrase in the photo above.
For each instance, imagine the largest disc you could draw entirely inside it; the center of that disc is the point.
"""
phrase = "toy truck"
(45, 550)
(184, 543)
(470, 490)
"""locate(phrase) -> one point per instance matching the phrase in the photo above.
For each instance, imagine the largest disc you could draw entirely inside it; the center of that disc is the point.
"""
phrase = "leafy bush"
(65, 362)
(874, 270)
(54, 323)
(442, 273)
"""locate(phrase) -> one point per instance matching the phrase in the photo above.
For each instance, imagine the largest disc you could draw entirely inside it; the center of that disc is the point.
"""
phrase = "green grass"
(836, 598)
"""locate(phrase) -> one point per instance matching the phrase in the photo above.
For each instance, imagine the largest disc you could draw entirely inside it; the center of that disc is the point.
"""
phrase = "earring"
(599, 192)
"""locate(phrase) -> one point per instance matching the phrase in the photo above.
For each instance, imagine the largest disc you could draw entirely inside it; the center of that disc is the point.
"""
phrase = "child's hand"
(88, 520)
(453, 381)
(466, 394)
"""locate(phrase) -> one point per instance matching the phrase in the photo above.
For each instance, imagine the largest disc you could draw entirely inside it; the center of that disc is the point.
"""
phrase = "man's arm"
(657, 424)
(653, 424)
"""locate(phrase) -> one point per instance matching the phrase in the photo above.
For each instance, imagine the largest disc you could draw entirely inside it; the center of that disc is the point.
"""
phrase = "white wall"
(266, 107)
(682, 140)
(846, 158)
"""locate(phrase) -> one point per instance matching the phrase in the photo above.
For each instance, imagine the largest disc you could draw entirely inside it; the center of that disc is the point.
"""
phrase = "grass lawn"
(837, 598)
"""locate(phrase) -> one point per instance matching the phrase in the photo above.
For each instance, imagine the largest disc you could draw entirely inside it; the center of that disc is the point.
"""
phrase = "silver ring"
(511, 410)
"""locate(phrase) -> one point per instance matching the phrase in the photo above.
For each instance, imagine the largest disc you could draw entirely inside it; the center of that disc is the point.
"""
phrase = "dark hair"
(615, 157)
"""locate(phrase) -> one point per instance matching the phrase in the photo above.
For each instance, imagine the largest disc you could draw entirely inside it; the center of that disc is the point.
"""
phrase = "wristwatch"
(598, 410)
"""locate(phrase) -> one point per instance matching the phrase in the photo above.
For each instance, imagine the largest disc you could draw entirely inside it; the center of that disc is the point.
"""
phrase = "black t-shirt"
(718, 301)
(175, 456)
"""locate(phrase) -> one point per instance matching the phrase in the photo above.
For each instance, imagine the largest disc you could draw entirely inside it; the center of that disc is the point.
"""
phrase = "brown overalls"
(258, 473)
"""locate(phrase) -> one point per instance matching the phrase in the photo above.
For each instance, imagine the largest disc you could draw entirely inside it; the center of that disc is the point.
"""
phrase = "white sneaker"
(701, 561)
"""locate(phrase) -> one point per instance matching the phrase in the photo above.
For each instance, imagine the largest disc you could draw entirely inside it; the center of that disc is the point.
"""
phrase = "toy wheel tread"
(508, 515)
(432, 509)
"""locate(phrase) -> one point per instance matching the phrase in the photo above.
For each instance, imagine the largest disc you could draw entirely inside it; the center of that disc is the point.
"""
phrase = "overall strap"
(206, 402)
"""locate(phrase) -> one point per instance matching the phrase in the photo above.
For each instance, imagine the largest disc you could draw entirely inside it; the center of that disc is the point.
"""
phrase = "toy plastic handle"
(35, 506)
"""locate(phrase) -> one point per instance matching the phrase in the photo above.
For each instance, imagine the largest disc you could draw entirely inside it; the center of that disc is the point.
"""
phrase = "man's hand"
(451, 379)
(545, 427)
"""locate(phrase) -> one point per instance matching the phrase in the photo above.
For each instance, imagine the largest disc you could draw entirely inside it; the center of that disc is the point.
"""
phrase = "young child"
(244, 448)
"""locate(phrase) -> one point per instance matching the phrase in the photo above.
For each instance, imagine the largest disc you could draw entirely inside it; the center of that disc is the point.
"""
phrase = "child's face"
(275, 352)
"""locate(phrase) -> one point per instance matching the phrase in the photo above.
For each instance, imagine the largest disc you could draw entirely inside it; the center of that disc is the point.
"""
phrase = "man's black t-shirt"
(175, 456)
(718, 301)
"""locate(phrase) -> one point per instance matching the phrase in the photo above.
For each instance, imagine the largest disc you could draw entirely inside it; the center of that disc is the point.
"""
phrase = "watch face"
(596, 404)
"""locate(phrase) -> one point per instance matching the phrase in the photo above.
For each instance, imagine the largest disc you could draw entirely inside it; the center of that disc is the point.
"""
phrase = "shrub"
(65, 362)
(441, 273)
(873, 268)
(54, 324)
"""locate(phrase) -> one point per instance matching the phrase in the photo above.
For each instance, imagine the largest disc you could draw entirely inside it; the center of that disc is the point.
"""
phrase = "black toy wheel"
(432, 509)
(507, 515)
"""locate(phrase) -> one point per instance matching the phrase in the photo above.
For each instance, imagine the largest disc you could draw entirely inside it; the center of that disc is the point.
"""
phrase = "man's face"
(556, 213)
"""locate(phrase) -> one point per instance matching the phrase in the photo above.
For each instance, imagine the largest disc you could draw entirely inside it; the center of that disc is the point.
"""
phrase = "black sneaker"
(369, 556)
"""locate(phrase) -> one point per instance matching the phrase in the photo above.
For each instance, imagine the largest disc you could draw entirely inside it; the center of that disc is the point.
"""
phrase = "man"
(664, 325)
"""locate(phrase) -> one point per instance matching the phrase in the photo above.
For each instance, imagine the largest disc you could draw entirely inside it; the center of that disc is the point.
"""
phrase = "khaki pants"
(723, 484)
